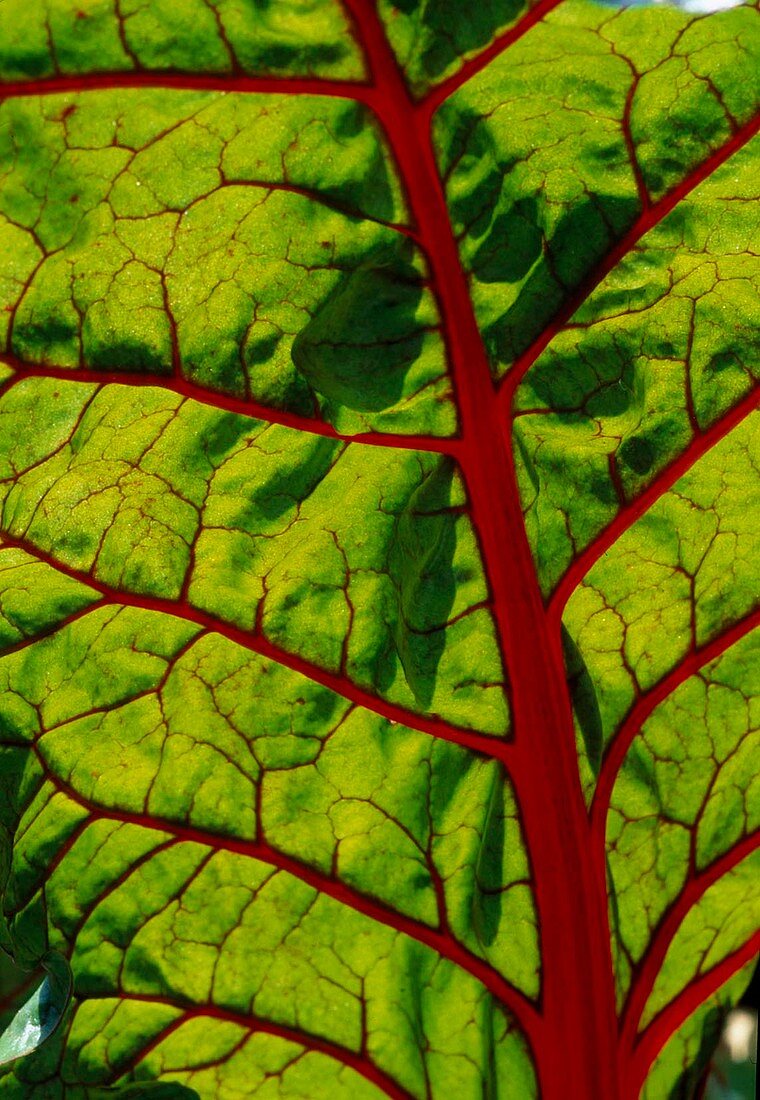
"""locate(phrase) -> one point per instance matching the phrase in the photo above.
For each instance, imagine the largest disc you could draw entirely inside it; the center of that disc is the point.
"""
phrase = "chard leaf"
(378, 591)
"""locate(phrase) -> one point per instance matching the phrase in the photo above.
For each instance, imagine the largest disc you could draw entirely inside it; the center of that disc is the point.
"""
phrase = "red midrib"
(577, 1000)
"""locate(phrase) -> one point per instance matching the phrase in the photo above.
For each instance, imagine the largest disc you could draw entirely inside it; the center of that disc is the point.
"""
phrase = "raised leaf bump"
(152, 245)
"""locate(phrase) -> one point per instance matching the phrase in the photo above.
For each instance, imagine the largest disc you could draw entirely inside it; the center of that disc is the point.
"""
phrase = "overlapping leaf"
(431, 38)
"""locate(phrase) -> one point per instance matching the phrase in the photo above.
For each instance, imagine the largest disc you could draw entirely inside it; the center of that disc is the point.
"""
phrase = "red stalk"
(577, 1039)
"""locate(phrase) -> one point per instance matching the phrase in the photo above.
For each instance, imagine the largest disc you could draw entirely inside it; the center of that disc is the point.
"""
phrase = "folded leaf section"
(137, 221)
(562, 143)
(685, 799)
(431, 39)
(680, 1066)
(646, 374)
(718, 926)
(156, 774)
(361, 561)
(679, 582)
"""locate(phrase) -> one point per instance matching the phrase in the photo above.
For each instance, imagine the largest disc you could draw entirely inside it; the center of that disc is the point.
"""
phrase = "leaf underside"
(378, 597)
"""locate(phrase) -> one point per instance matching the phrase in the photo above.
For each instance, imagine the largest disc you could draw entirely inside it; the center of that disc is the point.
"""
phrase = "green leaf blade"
(286, 735)
(64, 39)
